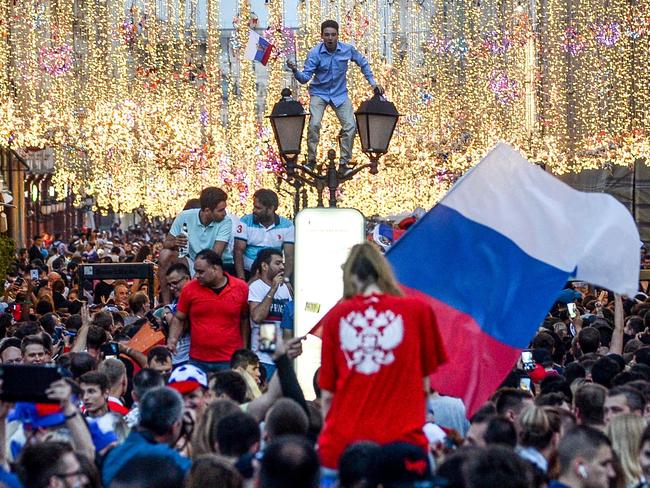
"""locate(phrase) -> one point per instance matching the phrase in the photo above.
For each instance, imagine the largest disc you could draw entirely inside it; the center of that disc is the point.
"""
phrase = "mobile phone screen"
(33, 273)
(524, 384)
(27, 383)
(268, 337)
(110, 350)
(527, 360)
(573, 311)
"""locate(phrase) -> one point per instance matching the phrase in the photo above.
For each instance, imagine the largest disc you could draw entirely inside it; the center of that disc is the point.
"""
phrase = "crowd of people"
(182, 392)
(187, 379)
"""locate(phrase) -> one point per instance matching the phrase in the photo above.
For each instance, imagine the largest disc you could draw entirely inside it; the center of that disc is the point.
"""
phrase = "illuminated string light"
(132, 97)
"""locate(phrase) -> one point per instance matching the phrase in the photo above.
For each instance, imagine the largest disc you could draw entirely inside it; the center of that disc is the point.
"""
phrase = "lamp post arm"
(353, 172)
(307, 181)
(310, 172)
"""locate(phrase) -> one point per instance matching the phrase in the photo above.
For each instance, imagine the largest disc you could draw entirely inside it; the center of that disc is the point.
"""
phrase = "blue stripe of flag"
(478, 271)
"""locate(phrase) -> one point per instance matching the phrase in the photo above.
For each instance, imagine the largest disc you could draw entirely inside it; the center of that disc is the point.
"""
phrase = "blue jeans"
(345, 114)
(210, 367)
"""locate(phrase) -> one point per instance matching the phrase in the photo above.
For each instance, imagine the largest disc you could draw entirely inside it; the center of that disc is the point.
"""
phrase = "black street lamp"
(288, 122)
(376, 120)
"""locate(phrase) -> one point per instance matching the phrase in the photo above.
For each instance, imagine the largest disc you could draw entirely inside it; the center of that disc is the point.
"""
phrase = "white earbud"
(582, 471)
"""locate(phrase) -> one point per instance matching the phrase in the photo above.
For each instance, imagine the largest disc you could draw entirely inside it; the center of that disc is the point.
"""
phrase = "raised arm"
(61, 391)
(311, 64)
(260, 306)
(137, 356)
(281, 380)
(616, 345)
(364, 65)
(82, 335)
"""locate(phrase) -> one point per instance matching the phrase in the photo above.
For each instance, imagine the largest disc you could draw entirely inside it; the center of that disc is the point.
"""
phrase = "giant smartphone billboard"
(324, 237)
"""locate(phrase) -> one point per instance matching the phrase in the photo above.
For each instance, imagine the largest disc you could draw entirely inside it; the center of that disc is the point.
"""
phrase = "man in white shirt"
(267, 297)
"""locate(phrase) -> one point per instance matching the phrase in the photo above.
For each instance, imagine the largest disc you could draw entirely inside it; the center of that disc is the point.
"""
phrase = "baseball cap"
(568, 295)
(187, 378)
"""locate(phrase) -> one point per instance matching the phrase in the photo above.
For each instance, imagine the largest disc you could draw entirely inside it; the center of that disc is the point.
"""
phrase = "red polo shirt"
(214, 318)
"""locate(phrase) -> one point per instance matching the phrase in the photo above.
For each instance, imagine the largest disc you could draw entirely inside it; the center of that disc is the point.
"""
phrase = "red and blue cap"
(187, 378)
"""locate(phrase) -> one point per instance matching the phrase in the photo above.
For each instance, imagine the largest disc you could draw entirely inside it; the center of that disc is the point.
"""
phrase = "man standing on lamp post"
(327, 64)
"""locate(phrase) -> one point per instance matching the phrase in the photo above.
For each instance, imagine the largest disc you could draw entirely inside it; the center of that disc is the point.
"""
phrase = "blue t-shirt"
(201, 236)
(10, 480)
(139, 444)
(287, 316)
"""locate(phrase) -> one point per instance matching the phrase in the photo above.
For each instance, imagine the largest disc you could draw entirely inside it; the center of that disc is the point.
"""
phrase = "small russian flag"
(258, 48)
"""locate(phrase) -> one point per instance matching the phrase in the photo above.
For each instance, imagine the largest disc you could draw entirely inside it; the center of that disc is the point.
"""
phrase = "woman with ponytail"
(539, 435)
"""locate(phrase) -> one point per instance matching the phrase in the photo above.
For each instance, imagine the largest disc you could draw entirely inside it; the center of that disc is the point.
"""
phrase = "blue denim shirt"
(329, 71)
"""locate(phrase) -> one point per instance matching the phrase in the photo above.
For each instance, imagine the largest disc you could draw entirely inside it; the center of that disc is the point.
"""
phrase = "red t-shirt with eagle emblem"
(377, 350)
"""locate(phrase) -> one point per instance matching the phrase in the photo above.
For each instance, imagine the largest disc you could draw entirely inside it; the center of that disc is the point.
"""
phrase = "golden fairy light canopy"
(146, 102)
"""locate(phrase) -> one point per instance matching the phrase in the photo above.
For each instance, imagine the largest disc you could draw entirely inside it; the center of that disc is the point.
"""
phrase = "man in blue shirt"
(161, 415)
(327, 64)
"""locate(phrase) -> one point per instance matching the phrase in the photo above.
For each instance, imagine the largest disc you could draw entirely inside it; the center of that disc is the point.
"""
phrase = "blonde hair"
(252, 390)
(625, 431)
(205, 432)
(370, 267)
(536, 428)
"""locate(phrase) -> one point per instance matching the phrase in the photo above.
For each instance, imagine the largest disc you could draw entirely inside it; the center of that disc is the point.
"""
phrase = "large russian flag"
(495, 252)
(258, 48)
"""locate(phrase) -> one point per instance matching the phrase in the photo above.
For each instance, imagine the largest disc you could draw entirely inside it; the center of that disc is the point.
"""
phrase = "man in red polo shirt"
(215, 306)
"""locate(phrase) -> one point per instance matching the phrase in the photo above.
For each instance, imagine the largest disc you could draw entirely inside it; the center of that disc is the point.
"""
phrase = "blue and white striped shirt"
(258, 237)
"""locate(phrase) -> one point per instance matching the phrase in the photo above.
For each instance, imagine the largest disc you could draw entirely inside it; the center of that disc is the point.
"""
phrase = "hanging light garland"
(144, 106)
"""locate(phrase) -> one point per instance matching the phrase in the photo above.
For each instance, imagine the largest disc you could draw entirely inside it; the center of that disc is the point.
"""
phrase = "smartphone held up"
(28, 383)
(268, 337)
(527, 361)
(110, 350)
(572, 309)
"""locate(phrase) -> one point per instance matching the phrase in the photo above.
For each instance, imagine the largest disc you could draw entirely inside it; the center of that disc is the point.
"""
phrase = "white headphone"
(582, 471)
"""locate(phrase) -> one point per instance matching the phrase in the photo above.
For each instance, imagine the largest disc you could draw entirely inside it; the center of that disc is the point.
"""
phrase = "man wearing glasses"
(178, 275)
(51, 464)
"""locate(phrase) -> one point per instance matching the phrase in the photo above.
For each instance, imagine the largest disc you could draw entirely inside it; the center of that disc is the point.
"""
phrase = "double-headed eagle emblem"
(368, 339)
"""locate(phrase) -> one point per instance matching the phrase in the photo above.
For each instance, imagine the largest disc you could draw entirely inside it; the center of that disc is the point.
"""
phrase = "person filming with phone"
(267, 297)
